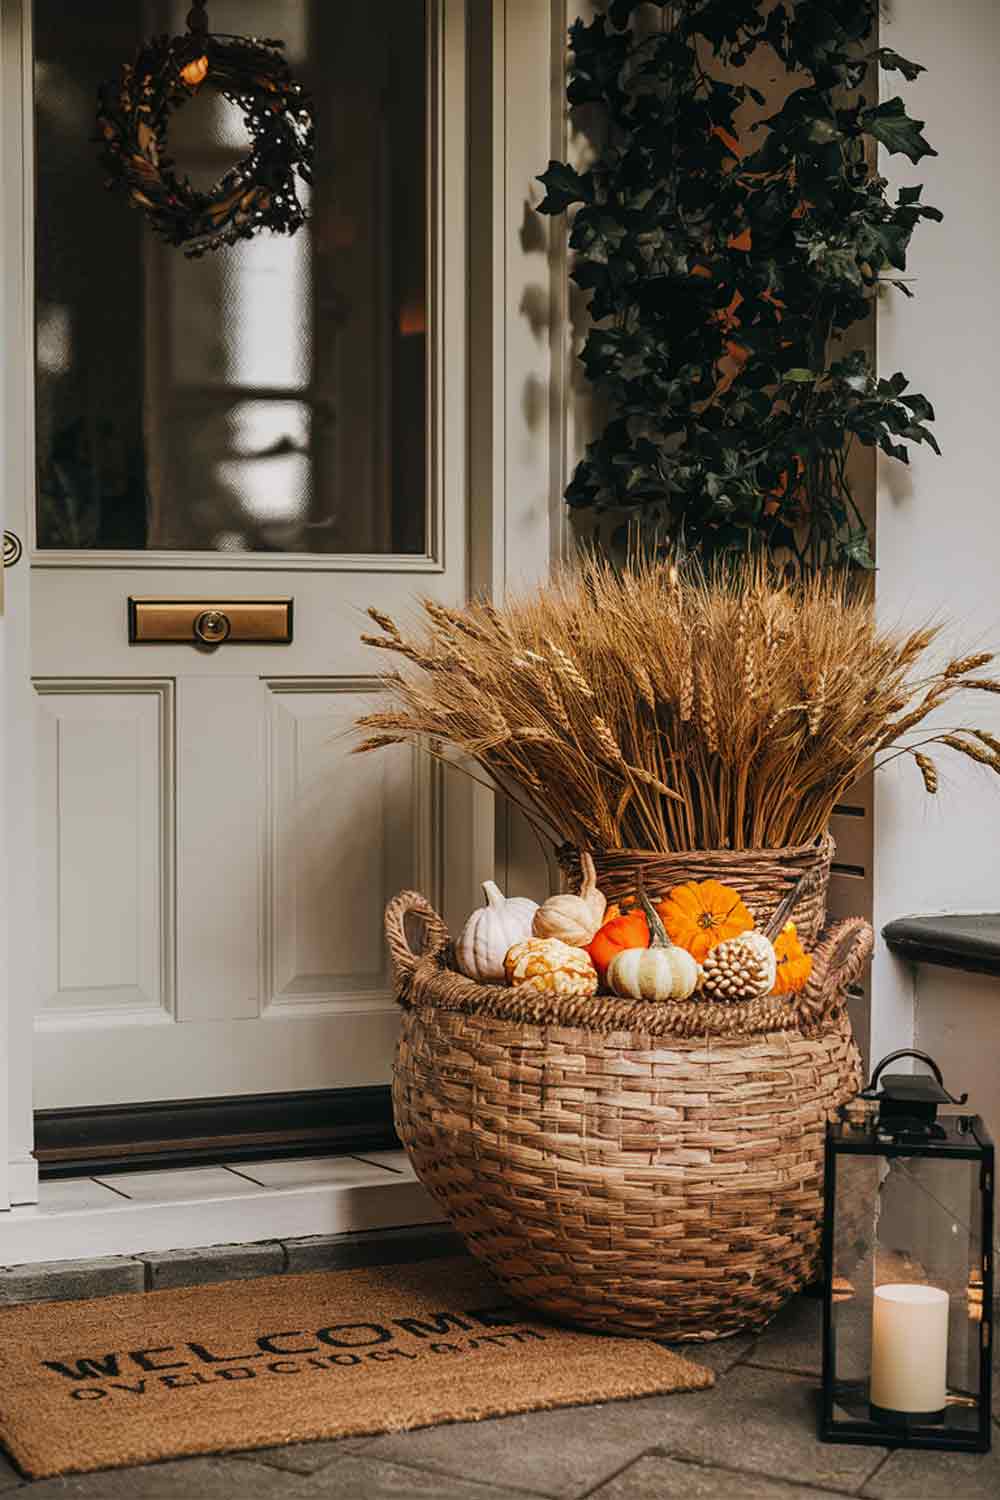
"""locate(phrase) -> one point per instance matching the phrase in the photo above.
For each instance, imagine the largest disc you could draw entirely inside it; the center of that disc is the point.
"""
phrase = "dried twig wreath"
(261, 191)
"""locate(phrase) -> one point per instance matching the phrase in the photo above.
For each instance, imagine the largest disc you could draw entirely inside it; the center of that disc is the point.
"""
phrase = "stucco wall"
(939, 530)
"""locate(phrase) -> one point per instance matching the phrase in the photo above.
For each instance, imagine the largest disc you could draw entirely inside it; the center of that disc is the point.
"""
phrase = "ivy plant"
(724, 261)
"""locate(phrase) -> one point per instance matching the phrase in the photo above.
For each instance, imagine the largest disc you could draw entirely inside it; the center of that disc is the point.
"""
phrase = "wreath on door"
(262, 190)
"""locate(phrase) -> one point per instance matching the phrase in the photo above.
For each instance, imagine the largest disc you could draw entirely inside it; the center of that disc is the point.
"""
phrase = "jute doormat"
(253, 1364)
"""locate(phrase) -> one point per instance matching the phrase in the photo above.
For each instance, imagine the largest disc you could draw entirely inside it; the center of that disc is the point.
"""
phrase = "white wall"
(939, 530)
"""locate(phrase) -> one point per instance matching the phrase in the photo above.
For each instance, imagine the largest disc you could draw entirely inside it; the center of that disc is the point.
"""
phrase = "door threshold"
(92, 1141)
(224, 1204)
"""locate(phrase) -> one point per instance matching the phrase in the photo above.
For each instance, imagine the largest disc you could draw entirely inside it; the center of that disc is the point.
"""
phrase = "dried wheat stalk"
(663, 708)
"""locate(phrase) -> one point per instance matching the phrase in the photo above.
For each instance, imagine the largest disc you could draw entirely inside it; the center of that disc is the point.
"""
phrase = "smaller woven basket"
(761, 876)
(624, 1166)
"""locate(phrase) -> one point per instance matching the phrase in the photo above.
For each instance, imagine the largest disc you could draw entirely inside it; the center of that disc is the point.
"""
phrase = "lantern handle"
(869, 1092)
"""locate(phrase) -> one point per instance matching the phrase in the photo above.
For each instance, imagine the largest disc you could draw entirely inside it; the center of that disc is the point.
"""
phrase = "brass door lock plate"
(209, 622)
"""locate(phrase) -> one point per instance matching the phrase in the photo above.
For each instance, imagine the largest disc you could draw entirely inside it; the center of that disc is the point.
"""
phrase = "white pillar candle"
(909, 1348)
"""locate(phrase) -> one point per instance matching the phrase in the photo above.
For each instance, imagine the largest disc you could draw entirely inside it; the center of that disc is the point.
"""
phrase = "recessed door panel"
(326, 951)
(106, 791)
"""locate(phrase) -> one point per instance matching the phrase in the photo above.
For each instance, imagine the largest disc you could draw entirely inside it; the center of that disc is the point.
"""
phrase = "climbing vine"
(724, 259)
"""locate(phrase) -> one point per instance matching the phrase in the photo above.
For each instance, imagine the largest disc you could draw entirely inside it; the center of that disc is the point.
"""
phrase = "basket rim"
(837, 961)
(823, 845)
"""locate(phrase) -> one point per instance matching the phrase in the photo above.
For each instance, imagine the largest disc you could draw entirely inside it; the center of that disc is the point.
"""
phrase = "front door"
(283, 419)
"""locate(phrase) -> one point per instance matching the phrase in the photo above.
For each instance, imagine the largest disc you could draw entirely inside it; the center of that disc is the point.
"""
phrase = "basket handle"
(837, 962)
(435, 935)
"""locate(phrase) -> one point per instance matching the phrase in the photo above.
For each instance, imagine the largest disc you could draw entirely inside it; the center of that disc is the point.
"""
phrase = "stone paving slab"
(67, 1280)
(764, 1421)
(719, 1355)
(186, 1479)
(9, 1477)
(366, 1479)
(562, 1454)
(169, 1268)
(794, 1339)
(916, 1475)
(656, 1478)
(306, 1458)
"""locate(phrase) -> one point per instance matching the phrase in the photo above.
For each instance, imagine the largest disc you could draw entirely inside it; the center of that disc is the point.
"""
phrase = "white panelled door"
(285, 418)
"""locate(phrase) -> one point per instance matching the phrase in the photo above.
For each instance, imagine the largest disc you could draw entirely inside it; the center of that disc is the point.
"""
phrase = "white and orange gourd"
(551, 967)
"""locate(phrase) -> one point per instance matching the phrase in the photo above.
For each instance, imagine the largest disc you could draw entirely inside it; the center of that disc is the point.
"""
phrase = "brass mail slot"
(210, 622)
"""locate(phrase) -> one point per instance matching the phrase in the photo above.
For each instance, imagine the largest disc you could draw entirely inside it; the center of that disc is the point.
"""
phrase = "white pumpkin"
(660, 972)
(491, 932)
(654, 973)
(573, 919)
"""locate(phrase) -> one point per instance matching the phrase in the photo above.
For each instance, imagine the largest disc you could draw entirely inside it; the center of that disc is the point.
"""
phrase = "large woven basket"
(619, 1165)
(761, 876)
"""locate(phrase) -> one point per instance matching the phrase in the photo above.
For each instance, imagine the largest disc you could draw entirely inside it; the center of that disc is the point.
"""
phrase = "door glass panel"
(271, 396)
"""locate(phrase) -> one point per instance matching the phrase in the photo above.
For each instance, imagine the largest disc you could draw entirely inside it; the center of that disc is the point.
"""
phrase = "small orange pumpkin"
(701, 913)
(794, 963)
(621, 930)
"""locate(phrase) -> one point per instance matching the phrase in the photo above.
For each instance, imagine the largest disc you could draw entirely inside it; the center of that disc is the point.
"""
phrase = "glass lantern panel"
(911, 1221)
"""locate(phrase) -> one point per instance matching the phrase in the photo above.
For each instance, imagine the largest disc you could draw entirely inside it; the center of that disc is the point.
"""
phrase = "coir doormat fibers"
(254, 1364)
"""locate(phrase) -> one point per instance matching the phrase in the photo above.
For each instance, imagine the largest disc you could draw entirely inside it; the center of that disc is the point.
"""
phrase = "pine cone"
(741, 968)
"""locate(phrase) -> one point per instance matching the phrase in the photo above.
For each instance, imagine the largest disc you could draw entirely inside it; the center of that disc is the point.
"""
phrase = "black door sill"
(189, 1132)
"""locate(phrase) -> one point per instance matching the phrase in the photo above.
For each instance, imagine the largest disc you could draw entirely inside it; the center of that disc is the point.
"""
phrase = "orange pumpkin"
(794, 963)
(620, 931)
(701, 913)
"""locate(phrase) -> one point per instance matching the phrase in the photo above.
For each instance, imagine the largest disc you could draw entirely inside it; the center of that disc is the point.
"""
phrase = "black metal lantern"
(908, 1268)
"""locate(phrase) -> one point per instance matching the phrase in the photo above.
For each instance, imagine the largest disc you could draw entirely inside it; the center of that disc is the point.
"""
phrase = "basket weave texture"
(763, 877)
(614, 1170)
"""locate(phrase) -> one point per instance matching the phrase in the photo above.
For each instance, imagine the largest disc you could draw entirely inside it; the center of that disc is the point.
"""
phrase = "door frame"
(522, 423)
(18, 1170)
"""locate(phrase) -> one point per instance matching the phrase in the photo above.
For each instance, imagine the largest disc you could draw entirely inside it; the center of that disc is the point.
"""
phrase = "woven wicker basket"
(624, 1166)
(762, 876)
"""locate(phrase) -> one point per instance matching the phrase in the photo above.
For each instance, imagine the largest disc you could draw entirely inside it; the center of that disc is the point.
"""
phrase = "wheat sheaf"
(666, 707)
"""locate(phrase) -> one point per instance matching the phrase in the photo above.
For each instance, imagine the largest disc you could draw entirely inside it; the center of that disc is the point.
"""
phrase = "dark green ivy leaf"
(564, 186)
(894, 450)
(893, 63)
(892, 126)
(620, 11)
(919, 408)
(855, 549)
(895, 385)
(892, 239)
(909, 195)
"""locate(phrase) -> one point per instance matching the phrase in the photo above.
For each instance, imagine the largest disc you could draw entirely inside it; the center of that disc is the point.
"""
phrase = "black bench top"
(970, 942)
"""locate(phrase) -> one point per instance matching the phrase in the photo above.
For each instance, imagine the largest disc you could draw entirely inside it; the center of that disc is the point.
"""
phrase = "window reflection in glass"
(270, 397)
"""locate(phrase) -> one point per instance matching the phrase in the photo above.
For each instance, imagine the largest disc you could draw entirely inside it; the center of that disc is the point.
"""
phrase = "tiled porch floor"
(751, 1438)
